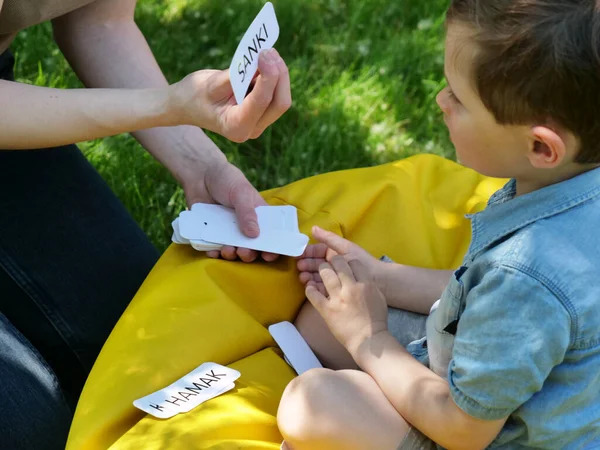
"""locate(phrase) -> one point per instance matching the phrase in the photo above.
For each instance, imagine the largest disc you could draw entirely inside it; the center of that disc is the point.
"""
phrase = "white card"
(202, 384)
(218, 224)
(261, 35)
(294, 347)
(159, 410)
(176, 238)
(278, 242)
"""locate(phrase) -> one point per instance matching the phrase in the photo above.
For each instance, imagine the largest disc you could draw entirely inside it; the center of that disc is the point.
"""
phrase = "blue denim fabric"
(71, 259)
(517, 330)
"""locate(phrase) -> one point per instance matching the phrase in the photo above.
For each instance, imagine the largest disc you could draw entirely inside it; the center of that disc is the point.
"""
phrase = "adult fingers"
(281, 102)
(269, 257)
(242, 201)
(247, 255)
(229, 253)
(260, 98)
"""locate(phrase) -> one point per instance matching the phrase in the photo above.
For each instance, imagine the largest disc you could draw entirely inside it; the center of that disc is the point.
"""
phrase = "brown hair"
(538, 61)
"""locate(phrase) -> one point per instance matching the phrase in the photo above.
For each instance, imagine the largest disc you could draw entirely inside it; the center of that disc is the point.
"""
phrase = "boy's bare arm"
(355, 311)
(411, 288)
(421, 397)
(405, 287)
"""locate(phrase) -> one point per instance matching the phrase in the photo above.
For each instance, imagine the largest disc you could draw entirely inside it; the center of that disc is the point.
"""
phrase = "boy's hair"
(538, 61)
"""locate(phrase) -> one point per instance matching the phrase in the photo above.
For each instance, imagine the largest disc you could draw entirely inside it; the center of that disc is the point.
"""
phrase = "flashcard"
(176, 234)
(149, 405)
(205, 382)
(279, 242)
(202, 384)
(261, 35)
(295, 349)
(218, 225)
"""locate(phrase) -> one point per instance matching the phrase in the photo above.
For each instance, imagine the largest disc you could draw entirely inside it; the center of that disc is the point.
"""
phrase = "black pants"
(71, 259)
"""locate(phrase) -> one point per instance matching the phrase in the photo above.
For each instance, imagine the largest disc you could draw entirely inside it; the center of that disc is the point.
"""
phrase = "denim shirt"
(517, 330)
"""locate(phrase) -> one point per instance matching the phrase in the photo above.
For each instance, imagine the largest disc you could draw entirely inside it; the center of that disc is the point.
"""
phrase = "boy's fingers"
(320, 287)
(337, 243)
(359, 270)
(316, 298)
(330, 279)
(343, 270)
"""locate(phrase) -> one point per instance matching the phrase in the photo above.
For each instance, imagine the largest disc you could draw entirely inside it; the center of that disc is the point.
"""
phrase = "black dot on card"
(205, 223)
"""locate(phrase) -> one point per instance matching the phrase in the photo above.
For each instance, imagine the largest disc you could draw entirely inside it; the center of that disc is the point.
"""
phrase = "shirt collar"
(506, 213)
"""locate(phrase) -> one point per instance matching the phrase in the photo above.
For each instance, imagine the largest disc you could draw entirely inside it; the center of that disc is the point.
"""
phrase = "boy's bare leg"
(338, 410)
(314, 330)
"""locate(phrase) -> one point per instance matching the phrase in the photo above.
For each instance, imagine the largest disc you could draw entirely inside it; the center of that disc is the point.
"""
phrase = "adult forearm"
(37, 117)
(115, 54)
(411, 288)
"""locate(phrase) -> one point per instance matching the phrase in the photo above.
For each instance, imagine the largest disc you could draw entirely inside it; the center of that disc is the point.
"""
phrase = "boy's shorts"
(415, 440)
(407, 327)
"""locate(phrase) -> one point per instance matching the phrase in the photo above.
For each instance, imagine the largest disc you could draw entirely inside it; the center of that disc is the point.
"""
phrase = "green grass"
(364, 78)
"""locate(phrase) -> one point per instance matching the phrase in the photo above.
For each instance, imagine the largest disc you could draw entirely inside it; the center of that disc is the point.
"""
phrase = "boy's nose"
(442, 101)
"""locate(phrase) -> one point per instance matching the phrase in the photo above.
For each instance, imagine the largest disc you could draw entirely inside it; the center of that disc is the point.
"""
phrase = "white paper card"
(218, 224)
(202, 384)
(279, 242)
(294, 347)
(261, 35)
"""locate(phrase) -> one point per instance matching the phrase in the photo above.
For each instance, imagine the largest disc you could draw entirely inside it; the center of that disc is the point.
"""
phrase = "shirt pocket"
(451, 305)
(442, 324)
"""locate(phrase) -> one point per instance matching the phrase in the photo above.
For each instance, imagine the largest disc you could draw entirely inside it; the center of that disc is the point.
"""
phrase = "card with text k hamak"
(261, 35)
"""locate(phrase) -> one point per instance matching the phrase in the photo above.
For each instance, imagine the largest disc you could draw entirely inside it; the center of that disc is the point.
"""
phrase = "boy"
(512, 349)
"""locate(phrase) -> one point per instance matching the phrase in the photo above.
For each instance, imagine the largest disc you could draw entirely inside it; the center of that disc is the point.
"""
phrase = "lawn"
(364, 78)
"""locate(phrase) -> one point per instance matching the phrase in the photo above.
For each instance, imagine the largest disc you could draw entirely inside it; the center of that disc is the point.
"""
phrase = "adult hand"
(205, 99)
(225, 184)
(330, 245)
(355, 309)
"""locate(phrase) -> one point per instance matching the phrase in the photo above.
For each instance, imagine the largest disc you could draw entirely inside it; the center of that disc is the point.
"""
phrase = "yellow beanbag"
(192, 309)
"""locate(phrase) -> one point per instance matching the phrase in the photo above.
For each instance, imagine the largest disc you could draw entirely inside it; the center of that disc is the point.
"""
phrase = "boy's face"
(481, 143)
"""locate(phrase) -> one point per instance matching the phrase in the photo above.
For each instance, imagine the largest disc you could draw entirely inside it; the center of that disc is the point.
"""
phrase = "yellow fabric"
(192, 309)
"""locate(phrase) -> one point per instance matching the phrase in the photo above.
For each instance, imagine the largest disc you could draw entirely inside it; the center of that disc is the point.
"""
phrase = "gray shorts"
(407, 327)
(415, 440)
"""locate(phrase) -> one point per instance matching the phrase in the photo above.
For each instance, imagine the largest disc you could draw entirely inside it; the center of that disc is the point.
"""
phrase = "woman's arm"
(106, 49)
(36, 117)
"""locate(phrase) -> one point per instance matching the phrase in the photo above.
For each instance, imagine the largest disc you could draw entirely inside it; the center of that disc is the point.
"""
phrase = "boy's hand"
(355, 310)
(331, 245)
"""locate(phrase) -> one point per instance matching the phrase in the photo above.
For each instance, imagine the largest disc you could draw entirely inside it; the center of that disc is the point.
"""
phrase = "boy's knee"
(305, 399)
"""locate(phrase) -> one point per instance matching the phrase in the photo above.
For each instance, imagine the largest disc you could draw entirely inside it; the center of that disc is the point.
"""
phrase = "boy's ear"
(548, 149)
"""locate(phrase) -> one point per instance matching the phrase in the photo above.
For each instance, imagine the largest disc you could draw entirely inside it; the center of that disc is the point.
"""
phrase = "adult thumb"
(243, 202)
